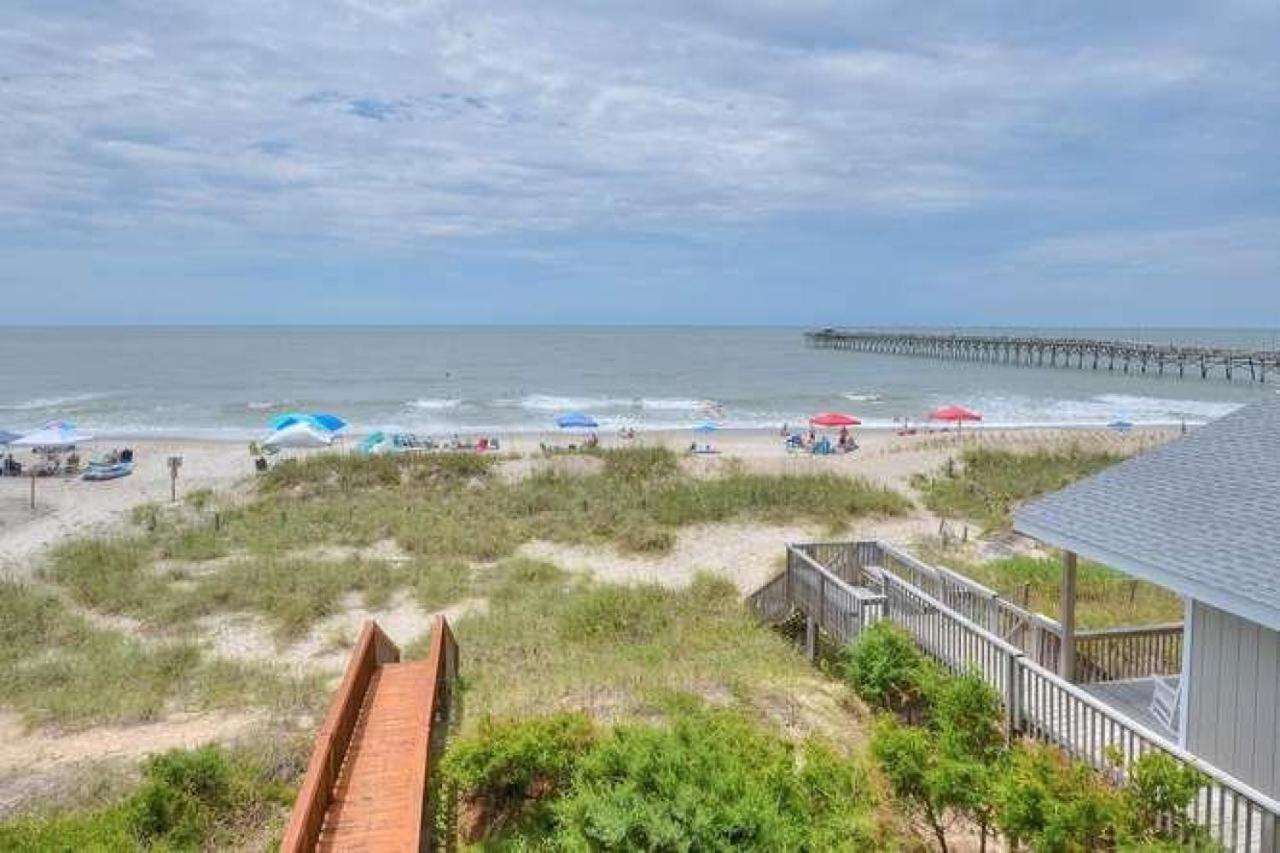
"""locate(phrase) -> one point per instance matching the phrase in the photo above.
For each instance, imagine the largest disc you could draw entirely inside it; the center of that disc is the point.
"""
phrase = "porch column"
(1067, 617)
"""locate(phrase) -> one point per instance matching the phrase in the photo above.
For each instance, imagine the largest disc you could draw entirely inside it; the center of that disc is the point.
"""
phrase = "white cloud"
(391, 121)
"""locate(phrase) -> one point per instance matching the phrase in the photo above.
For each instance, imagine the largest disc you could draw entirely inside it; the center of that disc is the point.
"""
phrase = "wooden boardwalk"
(373, 798)
(367, 786)
(1114, 356)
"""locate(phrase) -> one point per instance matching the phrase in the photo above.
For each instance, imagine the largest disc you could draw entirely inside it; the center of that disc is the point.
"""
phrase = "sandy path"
(747, 554)
(33, 763)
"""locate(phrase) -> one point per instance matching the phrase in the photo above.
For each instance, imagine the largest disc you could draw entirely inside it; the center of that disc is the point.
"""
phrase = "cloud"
(397, 121)
(390, 123)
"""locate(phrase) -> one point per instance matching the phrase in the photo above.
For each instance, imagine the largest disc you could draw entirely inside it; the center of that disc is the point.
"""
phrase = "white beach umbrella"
(56, 434)
(298, 435)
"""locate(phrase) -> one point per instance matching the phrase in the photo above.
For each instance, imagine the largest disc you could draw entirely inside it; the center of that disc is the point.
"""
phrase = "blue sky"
(687, 161)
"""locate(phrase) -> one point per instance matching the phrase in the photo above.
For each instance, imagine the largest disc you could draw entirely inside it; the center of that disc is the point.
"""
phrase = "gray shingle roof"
(1200, 515)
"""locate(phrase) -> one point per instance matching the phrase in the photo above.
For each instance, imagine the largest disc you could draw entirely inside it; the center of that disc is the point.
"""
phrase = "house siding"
(1234, 671)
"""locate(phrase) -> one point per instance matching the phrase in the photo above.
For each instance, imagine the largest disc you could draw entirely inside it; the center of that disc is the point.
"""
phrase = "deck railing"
(1041, 705)
(829, 603)
(1112, 654)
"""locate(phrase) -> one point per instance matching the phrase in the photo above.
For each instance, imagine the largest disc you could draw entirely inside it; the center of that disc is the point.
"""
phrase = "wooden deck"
(377, 781)
(1132, 698)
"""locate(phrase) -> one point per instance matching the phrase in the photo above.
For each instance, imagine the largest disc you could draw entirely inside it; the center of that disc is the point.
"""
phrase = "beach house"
(1199, 516)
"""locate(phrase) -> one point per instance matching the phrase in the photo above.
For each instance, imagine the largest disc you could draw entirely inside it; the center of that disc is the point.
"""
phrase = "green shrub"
(182, 794)
(1158, 793)
(504, 776)
(949, 769)
(206, 798)
(711, 781)
(886, 669)
(1047, 801)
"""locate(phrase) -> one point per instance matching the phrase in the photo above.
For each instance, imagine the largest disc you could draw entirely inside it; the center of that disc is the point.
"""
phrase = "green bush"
(711, 780)
(1047, 801)
(183, 793)
(1158, 794)
(886, 669)
(505, 774)
(206, 798)
(948, 770)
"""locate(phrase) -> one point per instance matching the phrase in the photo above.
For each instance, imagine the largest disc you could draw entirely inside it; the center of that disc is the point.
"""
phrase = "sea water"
(228, 382)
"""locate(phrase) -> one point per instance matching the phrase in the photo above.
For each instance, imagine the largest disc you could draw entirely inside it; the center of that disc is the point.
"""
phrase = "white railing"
(1038, 703)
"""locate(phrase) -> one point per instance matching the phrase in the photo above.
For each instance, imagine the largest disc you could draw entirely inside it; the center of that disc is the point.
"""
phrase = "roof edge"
(1223, 600)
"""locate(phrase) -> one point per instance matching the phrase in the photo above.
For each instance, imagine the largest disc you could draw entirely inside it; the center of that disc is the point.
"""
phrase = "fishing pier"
(1079, 353)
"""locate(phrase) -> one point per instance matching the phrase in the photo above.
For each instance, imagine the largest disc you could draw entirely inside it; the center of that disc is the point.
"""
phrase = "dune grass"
(55, 667)
(988, 483)
(1105, 598)
(444, 512)
(550, 640)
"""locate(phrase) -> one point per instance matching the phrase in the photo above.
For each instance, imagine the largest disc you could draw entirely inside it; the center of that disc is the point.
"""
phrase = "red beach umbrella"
(956, 414)
(833, 419)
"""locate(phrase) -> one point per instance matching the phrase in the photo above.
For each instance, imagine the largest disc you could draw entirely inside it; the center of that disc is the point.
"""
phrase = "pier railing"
(1037, 702)
(1080, 353)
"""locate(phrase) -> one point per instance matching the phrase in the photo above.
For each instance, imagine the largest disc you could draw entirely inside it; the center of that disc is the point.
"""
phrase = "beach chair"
(1164, 701)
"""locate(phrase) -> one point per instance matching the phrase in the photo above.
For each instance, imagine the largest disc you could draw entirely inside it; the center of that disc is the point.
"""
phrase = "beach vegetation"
(988, 483)
(551, 639)
(205, 798)
(703, 779)
(951, 768)
(443, 514)
(57, 667)
(1105, 598)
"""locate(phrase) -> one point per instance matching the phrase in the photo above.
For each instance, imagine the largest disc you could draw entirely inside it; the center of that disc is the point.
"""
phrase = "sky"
(672, 161)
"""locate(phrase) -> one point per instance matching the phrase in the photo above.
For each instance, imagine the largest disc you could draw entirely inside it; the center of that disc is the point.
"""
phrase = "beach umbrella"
(833, 419)
(707, 427)
(1121, 425)
(53, 434)
(955, 414)
(299, 435)
(576, 420)
(322, 420)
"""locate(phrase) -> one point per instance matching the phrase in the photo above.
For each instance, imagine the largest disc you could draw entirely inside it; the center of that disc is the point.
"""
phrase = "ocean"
(227, 382)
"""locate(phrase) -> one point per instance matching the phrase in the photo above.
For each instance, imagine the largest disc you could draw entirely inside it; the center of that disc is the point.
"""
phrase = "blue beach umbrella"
(707, 427)
(1121, 425)
(321, 420)
(576, 420)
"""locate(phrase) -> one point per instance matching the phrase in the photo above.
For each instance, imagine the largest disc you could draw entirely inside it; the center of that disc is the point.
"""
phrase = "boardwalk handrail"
(373, 649)
(1041, 705)
(442, 660)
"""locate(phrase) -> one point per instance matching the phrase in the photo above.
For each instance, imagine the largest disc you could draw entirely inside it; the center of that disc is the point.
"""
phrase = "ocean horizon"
(227, 381)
